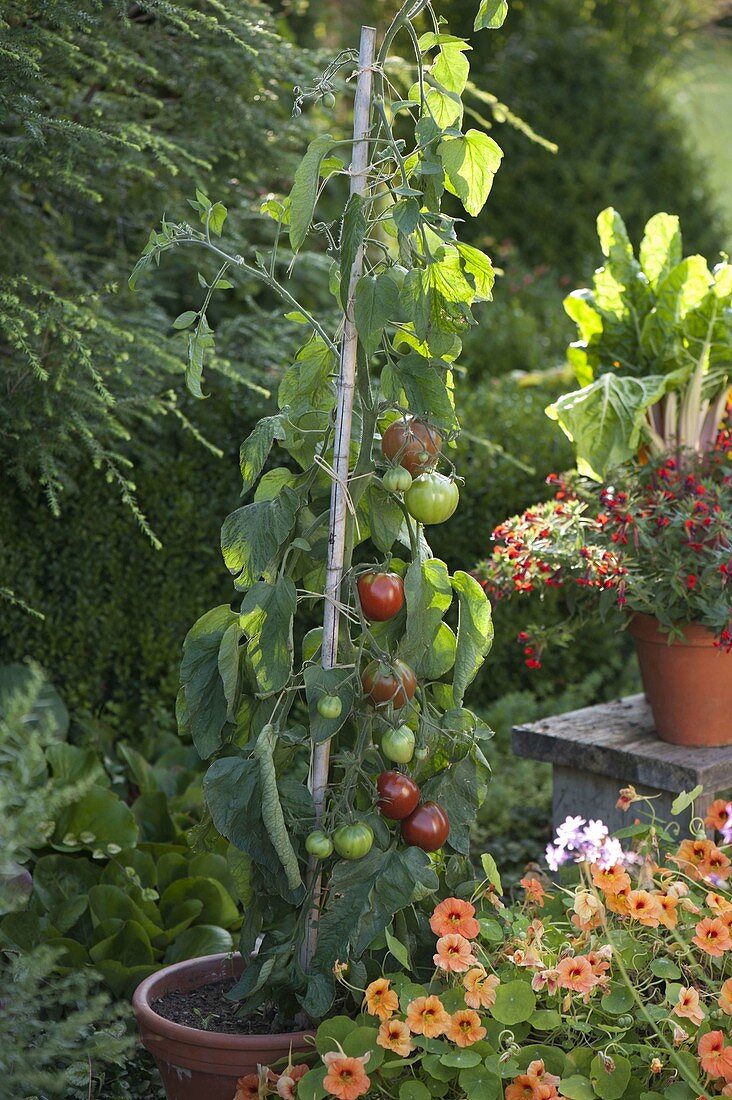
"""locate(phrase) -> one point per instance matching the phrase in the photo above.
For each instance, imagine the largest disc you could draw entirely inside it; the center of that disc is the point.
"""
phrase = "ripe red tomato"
(383, 684)
(432, 498)
(412, 444)
(426, 828)
(399, 795)
(381, 595)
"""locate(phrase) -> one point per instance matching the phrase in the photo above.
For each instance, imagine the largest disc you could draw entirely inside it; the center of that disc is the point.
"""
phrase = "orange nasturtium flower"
(346, 1077)
(480, 988)
(465, 1028)
(715, 1058)
(667, 914)
(455, 915)
(454, 954)
(688, 1005)
(712, 935)
(717, 814)
(611, 880)
(427, 1016)
(644, 907)
(247, 1088)
(535, 892)
(701, 858)
(380, 1000)
(394, 1035)
(725, 997)
(575, 973)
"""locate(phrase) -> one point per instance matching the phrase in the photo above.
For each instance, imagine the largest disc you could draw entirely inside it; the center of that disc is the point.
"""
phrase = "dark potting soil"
(207, 1009)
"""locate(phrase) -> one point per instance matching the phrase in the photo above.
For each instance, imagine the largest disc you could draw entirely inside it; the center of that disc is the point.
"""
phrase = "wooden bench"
(597, 750)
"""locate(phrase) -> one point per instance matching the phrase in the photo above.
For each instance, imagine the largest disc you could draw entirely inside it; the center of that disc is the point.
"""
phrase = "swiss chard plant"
(344, 768)
(654, 354)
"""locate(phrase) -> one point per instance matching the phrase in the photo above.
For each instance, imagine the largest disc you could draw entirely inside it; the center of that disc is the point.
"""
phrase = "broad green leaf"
(228, 666)
(376, 303)
(100, 822)
(185, 320)
(310, 1087)
(267, 613)
(660, 249)
(480, 1083)
(202, 691)
(397, 948)
(72, 764)
(386, 518)
(352, 234)
(491, 15)
(618, 1000)
(272, 815)
(683, 289)
(515, 1002)
(109, 904)
(666, 969)
(428, 595)
(491, 872)
(414, 1090)
(333, 1033)
(62, 884)
(470, 164)
(461, 1059)
(428, 388)
(305, 189)
(273, 481)
(475, 632)
(477, 264)
(256, 447)
(217, 905)
(610, 1084)
(452, 68)
(605, 419)
(204, 939)
(460, 789)
(577, 1087)
(440, 658)
(216, 217)
(252, 536)
(319, 682)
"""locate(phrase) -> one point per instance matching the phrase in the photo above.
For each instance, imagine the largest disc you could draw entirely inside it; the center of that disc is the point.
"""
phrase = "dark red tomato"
(381, 595)
(383, 684)
(399, 795)
(427, 828)
(412, 444)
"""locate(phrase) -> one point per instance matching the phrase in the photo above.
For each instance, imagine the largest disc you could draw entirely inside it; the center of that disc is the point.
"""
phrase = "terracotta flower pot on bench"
(688, 684)
(196, 1064)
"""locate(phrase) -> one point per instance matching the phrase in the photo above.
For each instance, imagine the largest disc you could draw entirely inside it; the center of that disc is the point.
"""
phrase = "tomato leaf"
(352, 234)
(428, 595)
(491, 15)
(376, 303)
(256, 447)
(252, 536)
(266, 618)
(470, 162)
(475, 632)
(204, 703)
(305, 189)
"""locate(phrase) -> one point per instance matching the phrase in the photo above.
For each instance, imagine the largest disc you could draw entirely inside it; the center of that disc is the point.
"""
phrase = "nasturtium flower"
(394, 1035)
(718, 814)
(643, 907)
(427, 1016)
(380, 1000)
(667, 914)
(455, 915)
(725, 997)
(346, 1077)
(247, 1088)
(712, 935)
(465, 1028)
(454, 954)
(714, 1057)
(701, 859)
(611, 880)
(687, 1005)
(480, 988)
(575, 973)
(535, 892)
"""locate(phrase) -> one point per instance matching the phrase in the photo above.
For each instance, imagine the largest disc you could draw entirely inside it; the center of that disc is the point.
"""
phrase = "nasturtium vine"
(258, 705)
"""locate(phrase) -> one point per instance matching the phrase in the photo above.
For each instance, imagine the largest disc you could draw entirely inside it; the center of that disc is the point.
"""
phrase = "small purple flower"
(726, 829)
(585, 842)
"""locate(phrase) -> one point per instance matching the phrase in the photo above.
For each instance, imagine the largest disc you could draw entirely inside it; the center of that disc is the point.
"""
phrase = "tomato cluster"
(414, 448)
(424, 825)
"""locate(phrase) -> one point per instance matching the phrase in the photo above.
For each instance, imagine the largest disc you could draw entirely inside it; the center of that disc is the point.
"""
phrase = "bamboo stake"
(320, 761)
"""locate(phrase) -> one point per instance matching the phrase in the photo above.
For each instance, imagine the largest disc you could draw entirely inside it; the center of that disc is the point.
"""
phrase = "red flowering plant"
(658, 540)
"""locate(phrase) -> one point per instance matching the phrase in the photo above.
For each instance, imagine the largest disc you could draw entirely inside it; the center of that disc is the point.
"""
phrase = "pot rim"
(147, 1016)
(646, 628)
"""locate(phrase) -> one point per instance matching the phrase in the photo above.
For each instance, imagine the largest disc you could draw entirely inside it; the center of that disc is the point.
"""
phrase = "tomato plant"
(398, 795)
(353, 841)
(411, 443)
(381, 595)
(383, 684)
(397, 744)
(288, 717)
(432, 498)
(427, 827)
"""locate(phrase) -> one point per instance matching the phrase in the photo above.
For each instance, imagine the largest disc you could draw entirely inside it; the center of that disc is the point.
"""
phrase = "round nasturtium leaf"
(610, 1084)
(414, 1090)
(515, 1002)
(461, 1059)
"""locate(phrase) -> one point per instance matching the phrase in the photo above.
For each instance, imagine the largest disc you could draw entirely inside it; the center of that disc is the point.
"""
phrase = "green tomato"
(319, 844)
(353, 841)
(421, 753)
(397, 745)
(432, 498)
(397, 480)
(328, 100)
(329, 706)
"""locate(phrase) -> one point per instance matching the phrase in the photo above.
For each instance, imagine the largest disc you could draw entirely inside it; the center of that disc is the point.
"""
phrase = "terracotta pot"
(203, 1065)
(688, 684)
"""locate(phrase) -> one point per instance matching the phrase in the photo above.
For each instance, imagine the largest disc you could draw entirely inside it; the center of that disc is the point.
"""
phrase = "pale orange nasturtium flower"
(618, 903)
(394, 1035)
(687, 1005)
(480, 988)
(717, 814)
(644, 907)
(427, 1016)
(247, 1088)
(714, 1057)
(712, 936)
(588, 909)
(465, 1028)
(701, 858)
(454, 954)
(575, 973)
(535, 1084)
(718, 903)
(611, 880)
(535, 892)
(346, 1077)
(667, 914)
(628, 795)
(725, 997)
(455, 915)
(380, 1000)
(286, 1083)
